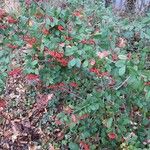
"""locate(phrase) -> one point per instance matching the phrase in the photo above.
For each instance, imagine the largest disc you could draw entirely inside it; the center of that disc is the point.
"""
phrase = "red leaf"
(62, 44)
(73, 84)
(45, 31)
(68, 38)
(74, 118)
(147, 83)
(94, 70)
(103, 74)
(112, 136)
(77, 13)
(63, 61)
(11, 20)
(56, 86)
(84, 146)
(84, 41)
(32, 77)
(15, 72)
(2, 13)
(84, 116)
(60, 28)
(30, 40)
(2, 103)
(58, 122)
(56, 54)
(102, 54)
(91, 42)
(3, 27)
(68, 110)
(51, 19)
(92, 62)
(129, 56)
(114, 57)
(12, 46)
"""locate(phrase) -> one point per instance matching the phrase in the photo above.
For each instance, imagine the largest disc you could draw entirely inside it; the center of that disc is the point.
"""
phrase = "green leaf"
(120, 63)
(70, 51)
(85, 64)
(94, 107)
(78, 62)
(122, 70)
(148, 96)
(123, 57)
(109, 122)
(146, 20)
(72, 63)
(85, 134)
(73, 146)
(48, 22)
(35, 62)
(97, 36)
(23, 19)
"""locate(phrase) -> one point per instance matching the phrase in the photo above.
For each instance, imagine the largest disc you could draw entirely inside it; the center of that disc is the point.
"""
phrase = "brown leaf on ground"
(33, 146)
(60, 135)
(51, 147)
(15, 131)
(42, 100)
(121, 42)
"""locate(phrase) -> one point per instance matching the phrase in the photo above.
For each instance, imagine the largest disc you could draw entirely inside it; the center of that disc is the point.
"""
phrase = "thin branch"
(117, 88)
(71, 92)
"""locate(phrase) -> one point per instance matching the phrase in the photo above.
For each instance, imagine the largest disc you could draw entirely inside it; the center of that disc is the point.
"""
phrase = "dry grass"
(13, 6)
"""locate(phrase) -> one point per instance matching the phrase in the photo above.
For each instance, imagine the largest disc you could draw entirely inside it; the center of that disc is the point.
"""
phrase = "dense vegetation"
(74, 77)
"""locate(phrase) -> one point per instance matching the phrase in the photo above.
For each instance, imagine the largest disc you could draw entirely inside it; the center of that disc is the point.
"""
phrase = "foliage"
(95, 65)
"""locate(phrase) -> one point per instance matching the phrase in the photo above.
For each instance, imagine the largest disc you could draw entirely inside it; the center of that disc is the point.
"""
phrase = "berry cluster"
(30, 40)
(88, 42)
(12, 46)
(58, 56)
(147, 83)
(32, 77)
(15, 72)
(98, 73)
(11, 20)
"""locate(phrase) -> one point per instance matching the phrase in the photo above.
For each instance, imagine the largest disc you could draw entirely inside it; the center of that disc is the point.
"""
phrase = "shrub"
(94, 67)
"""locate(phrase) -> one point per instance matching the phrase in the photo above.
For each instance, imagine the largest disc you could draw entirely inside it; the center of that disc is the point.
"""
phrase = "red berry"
(112, 136)
(60, 28)
(11, 20)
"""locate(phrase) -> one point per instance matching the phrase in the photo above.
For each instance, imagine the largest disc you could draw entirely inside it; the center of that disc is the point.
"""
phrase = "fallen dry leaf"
(51, 147)
(121, 42)
(2, 103)
(60, 135)
(43, 100)
(33, 146)
(15, 131)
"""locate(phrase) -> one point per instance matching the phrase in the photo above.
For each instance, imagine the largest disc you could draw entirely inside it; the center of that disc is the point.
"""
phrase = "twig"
(71, 92)
(117, 88)
(39, 5)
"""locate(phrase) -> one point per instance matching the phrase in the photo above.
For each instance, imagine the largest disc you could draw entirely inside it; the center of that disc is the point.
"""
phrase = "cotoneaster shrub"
(85, 58)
